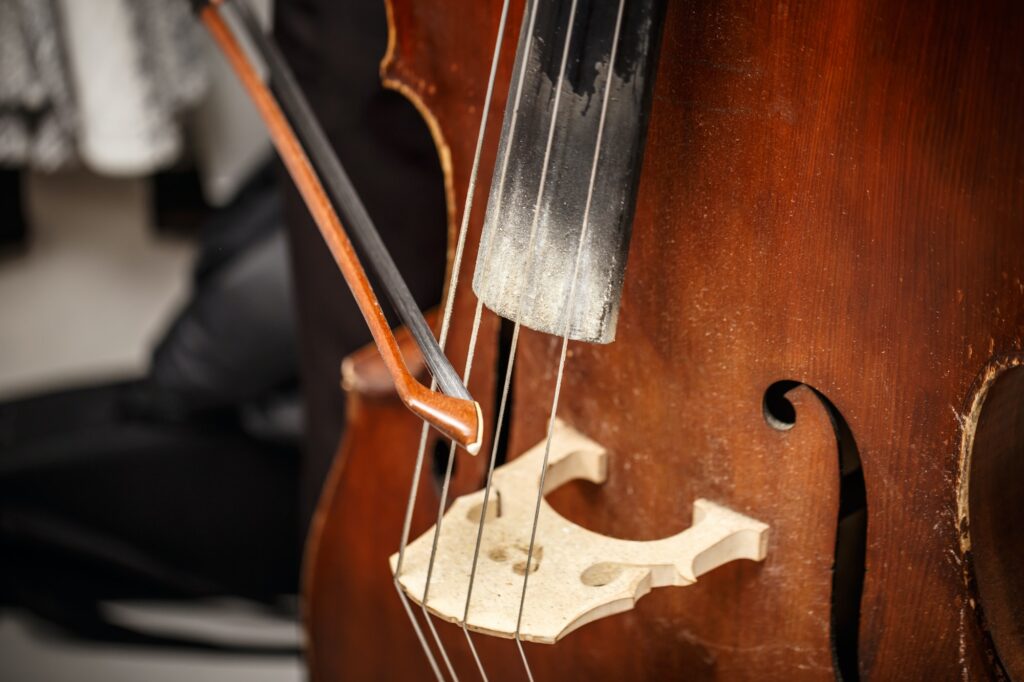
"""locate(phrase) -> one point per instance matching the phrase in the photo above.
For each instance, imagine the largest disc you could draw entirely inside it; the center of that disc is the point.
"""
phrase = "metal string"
(442, 339)
(533, 231)
(512, 350)
(419, 632)
(565, 334)
(487, 486)
(531, 7)
(515, 333)
(443, 503)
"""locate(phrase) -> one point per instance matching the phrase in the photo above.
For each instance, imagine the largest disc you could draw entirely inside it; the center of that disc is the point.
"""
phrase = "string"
(512, 352)
(515, 334)
(532, 8)
(565, 333)
(444, 503)
(533, 232)
(490, 475)
(442, 340)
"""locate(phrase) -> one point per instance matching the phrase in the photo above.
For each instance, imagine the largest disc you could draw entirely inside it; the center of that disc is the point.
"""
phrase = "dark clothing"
(101, 500)
(335, 49)
(174, 485)
(183, 483)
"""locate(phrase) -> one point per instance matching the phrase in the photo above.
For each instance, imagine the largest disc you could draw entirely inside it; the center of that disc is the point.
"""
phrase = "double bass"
(738, 290)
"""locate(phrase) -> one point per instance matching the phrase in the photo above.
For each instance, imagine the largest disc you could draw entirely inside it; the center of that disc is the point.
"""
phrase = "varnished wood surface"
(833, 193)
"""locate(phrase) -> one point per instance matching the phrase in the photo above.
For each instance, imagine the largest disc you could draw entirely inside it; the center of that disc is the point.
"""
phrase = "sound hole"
(995, 492)
(851, 529)
(778, 411)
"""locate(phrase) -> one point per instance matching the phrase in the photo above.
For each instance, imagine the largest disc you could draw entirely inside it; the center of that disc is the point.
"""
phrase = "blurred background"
(171, 328)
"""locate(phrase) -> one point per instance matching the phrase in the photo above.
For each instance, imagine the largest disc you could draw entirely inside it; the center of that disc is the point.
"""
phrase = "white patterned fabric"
(101, 82)
(37, 113)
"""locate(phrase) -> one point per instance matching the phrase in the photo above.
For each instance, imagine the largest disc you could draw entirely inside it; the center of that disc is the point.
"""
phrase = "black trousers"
(100, 499)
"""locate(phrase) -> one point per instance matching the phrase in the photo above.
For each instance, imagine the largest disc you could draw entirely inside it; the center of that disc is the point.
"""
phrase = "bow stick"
(333, 202)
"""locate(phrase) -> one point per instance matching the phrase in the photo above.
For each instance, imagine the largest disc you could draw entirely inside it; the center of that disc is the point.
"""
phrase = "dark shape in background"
(335, 49)
(200, 479)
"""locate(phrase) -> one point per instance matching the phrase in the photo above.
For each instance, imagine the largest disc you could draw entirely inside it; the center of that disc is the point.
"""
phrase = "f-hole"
(851, 527)
(995, 487)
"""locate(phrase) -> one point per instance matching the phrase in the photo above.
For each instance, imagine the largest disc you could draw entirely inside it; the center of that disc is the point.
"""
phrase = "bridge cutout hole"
(599, 575)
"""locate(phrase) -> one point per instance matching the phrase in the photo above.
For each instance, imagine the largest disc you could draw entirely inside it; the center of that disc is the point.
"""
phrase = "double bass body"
(826, 276)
